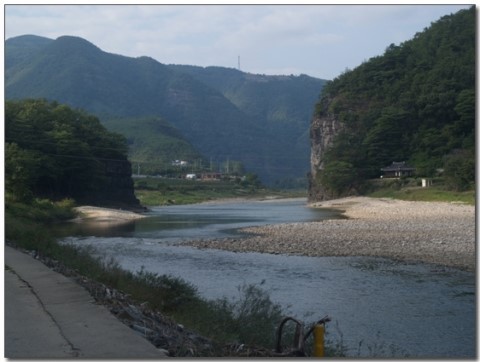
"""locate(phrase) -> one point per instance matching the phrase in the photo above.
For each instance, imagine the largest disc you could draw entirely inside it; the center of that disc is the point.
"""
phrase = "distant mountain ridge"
(282, 102)
(248, 121)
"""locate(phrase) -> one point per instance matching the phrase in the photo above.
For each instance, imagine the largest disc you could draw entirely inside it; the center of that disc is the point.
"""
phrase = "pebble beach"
(434, 232)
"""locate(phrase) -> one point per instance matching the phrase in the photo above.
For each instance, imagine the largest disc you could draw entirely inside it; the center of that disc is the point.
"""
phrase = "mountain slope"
(73, 71)
(283, 105)
(22, 48)
(153, 144)
(415, 103)
(225, 114)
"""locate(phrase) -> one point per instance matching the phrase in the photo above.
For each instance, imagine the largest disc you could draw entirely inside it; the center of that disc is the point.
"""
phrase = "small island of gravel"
(434, 232)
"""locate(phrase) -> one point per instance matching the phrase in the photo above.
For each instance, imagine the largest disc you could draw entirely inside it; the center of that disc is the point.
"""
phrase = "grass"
(409, 190)
(427, 194)
(155, 192)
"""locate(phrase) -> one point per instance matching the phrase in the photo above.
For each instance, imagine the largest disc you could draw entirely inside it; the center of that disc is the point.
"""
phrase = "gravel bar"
(433, 232)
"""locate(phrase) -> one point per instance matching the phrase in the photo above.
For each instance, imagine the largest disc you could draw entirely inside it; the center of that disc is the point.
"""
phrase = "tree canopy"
(54, 151)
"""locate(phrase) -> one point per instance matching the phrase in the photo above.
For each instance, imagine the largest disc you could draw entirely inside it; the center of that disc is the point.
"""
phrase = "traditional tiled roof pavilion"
(398, 169)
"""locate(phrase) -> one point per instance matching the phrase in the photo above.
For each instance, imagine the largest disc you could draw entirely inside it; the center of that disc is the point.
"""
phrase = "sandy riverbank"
(105, 214)
(434, 232)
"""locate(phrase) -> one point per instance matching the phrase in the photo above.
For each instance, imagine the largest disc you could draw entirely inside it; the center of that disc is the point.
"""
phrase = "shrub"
(459, 171)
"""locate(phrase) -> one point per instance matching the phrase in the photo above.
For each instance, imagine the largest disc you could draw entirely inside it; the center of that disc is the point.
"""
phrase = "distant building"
(210, 176)
(191, 176)
(398, 169)
(179, 163)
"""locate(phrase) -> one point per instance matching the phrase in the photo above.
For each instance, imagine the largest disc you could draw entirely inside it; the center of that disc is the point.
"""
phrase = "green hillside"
(70, 70)
(282, 104)
(55, 152)
(415, 103)
(153, 144)
(21, 49)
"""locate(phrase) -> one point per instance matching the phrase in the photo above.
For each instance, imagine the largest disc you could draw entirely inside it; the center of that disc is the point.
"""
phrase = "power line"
(37, 142)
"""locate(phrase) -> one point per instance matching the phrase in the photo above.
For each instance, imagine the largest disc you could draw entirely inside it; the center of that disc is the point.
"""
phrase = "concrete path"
(48, 315)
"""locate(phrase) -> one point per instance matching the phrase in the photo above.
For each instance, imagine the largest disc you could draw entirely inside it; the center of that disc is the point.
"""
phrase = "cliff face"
(121, 183)
(118, 191)
(323, 129)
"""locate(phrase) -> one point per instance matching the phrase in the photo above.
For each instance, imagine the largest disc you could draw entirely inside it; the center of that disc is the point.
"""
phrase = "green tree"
(339, 177)
(459, 170)
(387, 140)
(251, 180)
(21, 166)
(57, 152)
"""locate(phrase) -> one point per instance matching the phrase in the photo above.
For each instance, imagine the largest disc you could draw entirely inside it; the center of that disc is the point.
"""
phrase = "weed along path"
(380, 306)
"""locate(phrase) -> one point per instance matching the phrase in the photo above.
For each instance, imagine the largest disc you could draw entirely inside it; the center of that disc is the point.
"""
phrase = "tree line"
(56, 152)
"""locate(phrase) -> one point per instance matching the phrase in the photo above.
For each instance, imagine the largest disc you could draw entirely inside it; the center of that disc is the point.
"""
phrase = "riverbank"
(434, 232)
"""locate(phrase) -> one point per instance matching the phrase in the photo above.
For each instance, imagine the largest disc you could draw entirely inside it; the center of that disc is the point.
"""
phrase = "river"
(379, 307)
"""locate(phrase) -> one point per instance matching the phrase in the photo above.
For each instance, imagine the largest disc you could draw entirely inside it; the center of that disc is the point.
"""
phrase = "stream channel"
(379, 307)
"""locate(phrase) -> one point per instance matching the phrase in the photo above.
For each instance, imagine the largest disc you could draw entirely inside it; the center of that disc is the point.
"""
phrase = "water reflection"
(96, 228)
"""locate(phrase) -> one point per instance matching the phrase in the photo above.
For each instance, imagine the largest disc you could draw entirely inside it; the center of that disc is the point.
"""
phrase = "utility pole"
(239, 62)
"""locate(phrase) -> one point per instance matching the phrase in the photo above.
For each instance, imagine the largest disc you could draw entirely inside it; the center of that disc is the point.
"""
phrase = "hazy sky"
(318, 40)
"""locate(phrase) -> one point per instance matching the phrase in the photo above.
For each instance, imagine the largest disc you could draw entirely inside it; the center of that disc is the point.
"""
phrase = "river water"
(379, 307)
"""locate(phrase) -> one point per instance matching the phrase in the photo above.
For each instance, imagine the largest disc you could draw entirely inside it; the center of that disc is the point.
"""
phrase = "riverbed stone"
(434, 232)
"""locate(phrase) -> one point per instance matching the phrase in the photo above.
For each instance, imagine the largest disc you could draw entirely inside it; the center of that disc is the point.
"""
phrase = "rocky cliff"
(117, 190)
(323, 129)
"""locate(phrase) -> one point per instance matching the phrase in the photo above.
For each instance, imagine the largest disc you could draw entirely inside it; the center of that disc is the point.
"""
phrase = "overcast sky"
(318, 40)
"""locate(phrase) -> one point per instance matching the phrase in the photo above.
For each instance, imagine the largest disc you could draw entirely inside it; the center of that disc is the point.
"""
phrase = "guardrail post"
(319, 340)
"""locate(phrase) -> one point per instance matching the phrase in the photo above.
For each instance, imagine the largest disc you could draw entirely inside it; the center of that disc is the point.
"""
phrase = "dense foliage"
(56, 152)
(263, 124)
(415, 103)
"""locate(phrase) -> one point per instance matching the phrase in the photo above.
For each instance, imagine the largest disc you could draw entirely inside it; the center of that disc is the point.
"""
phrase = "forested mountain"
(73, 71)
(153, 143)
(21, 49)
(56, 152)
(283, 105)
(415, 103)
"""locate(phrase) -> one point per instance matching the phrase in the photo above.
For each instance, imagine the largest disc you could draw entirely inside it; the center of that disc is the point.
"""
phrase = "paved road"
(48, 315)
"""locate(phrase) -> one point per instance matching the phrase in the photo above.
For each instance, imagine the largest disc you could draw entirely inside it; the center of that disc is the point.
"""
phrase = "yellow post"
(319, 345)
